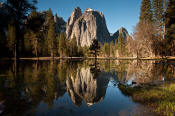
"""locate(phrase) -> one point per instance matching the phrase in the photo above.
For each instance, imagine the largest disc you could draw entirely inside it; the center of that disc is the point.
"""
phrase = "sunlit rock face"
(87, 26)
(86, 87)
(76, 14)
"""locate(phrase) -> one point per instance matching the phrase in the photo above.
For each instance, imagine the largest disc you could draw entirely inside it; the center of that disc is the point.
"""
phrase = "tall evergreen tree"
(158, 12)
(51, 37)
(165, 4)
(121, 45)
(94, 48)
(11, 38)
(1, 45)
(170, 27)
(73, 47)
(33, 32)
(62, 45)
(116, 41)
(112, 49)
(107, 49)
(120, 39)
(144, 31)
(159, 9)
(18, 11)
(145, 11)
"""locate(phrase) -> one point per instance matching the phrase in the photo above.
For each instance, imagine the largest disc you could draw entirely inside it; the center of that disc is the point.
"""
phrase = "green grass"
(160, 98)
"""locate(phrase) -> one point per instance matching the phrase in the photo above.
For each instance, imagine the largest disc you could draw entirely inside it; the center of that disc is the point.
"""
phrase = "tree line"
(25, 33)
(154, 33)
(153, 36)
(35, 36)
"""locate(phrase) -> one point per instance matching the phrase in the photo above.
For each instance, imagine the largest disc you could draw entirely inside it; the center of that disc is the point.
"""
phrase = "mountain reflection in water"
(74, 87)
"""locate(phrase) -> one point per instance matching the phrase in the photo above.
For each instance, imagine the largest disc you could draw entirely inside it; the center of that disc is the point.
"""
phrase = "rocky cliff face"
(87, 26)
(76, 14)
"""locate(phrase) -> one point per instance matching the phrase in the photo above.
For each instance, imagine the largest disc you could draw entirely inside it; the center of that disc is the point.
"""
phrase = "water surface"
(76, 88)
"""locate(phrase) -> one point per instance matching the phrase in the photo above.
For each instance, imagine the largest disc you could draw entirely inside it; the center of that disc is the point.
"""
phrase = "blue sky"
(118, 13)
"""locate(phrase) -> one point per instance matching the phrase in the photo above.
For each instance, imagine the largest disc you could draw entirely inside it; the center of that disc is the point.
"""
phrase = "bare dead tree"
(144, 37)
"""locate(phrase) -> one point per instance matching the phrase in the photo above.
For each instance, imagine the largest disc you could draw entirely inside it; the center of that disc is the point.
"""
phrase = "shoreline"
(89, 58)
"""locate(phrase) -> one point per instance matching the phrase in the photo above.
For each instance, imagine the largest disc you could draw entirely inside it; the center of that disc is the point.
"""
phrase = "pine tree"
(159, 9)
(18, 10)
(112, 49)
(35, 43)
(121, 45)
(62, 45)
(146, 12)
(73, 47)
(11, 38)
(80, 52)
(51, 37)
(33, 32)
(1, 45)
(158, 12)
(115, 46)
(107, 49)
(165, 4)
(28, 43)
(144, 31)
(124, 48)
(94, 48)
(170, 27)
(116, 42)
(120, 39)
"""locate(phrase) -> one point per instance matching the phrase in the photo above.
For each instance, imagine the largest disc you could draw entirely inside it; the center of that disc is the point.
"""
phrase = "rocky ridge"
(91, 25)
(124, 34)
(87, 26)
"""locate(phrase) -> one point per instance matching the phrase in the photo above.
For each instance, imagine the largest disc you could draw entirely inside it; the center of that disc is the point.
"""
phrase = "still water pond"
(76, 88)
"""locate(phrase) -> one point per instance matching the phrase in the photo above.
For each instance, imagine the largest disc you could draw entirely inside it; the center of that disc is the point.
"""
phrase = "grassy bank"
(160, 98)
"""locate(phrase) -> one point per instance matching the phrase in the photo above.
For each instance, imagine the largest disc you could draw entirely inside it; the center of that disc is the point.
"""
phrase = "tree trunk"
(52, 55)
(15, 55)
(36, 47)
(137, 55)
(164, 7)
(17, 42)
